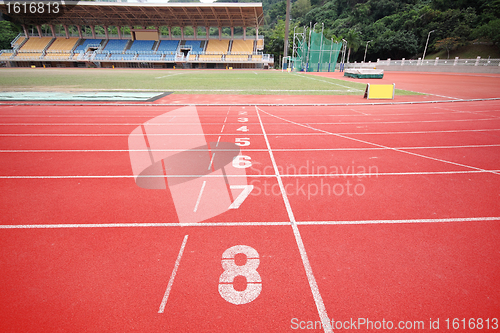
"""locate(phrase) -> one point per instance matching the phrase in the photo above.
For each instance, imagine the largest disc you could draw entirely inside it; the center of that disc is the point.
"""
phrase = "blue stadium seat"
(168, 47)
(116, 45)
(149, 57)
(101, 56)
(142, 47)
(195, 46)
(87, 42)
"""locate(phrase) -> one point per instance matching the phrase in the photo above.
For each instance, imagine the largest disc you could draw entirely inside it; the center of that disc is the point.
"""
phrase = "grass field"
(258, 82)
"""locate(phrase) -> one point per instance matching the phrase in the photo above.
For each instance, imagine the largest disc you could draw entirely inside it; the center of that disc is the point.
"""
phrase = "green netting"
(321, 55)
(299, 62)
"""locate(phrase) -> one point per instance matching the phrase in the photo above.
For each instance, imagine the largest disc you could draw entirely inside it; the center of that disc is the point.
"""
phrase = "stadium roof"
(146, 14)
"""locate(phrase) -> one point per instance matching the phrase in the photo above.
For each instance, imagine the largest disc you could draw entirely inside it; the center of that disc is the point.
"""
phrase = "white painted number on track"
(243, 129)
(242, 162)
(248, 270)
(242, 120)
(242, 142)
(243, 195)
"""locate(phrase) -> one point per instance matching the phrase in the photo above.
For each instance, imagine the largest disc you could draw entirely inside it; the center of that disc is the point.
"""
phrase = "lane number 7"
(242, 196)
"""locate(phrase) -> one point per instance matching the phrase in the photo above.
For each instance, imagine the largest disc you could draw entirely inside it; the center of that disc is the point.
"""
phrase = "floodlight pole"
(330, 60)
(429, 35)
(309, 46)
(321, 45)
(342, 62)
(287, 28)
(366, 49)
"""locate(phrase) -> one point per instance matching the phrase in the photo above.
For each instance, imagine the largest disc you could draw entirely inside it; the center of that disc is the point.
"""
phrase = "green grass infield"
(244, 82)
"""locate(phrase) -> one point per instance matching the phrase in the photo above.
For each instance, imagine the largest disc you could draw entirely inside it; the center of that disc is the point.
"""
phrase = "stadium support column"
(106, 32)
(244, 33)
(53, 31)
(182, 32)
(26, 33)
(39, 28)
(256, 32)
(195, 31)
(66, 30)
(170, 32)
(220, 33)
(287, 28)
(207, 30)
(79, 28)
(232, 32)
(119, 31)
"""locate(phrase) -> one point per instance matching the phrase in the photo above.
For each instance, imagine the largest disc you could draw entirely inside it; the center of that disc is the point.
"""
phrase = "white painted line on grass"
(325, 320)
(329, 82)
(172, 277)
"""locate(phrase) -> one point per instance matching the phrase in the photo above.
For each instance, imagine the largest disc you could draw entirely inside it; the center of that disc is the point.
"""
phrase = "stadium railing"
(427, 62)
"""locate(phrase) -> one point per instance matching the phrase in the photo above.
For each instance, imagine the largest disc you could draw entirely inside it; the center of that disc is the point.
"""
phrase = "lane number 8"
(248, 270)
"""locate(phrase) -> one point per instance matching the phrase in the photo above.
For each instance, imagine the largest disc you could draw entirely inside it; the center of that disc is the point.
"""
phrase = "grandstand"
(151, 46)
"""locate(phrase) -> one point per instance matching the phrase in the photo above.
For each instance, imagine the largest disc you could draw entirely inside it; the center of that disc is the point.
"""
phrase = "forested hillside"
(396, 28)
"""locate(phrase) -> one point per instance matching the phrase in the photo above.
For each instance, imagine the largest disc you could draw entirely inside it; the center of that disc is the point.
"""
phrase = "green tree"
(300, 8)
(8, 32)
(448, 44)
(395, 44)
(489, 31)
(353, 39)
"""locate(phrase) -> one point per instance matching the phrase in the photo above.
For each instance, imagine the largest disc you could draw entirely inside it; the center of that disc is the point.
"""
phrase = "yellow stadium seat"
(242, 47)
(35, 44)
(217, 46)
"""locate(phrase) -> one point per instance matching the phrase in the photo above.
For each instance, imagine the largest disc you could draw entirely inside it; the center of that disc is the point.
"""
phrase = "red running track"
(387, 216)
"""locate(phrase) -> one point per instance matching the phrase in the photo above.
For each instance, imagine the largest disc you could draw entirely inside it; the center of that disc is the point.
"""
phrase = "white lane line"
(248, 149)
(305, 260)
(199, 196)
(285, 115)
(318, 123)
(87, 104)
(299, 175)
(447, 220)
(218, 140)
(172, 277)
(211, 161)
(365, 114)
(383, 146)
(139, 225)
(270, 134)
(240, 224)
